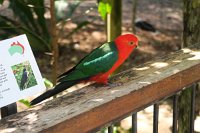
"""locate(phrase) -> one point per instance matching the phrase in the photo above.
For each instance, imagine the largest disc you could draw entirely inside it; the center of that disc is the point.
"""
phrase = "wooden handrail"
(95, 106)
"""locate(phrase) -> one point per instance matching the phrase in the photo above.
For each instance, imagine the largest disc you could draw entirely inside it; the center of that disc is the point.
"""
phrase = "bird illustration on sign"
(24, 75)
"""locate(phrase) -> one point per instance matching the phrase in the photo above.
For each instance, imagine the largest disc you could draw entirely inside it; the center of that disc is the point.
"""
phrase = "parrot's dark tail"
(57, 89)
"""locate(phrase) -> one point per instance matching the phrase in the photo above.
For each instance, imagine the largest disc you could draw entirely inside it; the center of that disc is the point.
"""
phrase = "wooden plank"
(95, 106)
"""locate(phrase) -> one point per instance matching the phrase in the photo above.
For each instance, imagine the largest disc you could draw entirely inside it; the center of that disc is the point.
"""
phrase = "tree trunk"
(184, 111)
(54, 42)
(191, 22)
(133, 14)
(191, 35)
(114, 20)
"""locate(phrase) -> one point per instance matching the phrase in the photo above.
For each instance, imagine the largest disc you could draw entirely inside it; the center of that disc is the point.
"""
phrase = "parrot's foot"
(111, 85)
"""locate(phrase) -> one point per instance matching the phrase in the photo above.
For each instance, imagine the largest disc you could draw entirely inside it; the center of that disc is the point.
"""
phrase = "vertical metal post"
(134, 123)
(155, 118)
(110, 129)
(8, 110)
(192, 108)
(175, 113)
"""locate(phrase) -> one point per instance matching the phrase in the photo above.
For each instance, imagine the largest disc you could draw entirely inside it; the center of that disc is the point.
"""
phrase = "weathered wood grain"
(94, 106)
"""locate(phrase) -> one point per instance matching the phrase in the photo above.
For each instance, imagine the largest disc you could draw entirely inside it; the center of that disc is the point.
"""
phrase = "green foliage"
(195, 3)
(31, 21)
(18, 71)
(105, 130)
(104, 7)
(25, 102)
(48, 83)
(1, 1)
(34, 27)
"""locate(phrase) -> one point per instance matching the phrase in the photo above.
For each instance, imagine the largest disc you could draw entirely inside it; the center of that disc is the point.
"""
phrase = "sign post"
(8, 110)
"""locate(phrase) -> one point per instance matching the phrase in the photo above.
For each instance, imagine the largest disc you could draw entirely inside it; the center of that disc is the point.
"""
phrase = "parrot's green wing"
(98, 61)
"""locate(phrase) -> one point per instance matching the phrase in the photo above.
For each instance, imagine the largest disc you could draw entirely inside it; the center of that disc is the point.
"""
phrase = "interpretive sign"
(19, 73)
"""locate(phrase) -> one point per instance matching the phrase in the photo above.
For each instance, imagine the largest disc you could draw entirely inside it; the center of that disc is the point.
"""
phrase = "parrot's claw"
(112, 85)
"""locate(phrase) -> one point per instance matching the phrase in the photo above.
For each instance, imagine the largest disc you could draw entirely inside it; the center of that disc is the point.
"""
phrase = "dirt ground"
(167, 21)
(165, 16)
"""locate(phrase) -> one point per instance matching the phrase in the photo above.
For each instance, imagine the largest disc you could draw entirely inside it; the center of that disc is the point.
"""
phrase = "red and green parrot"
(96, 66)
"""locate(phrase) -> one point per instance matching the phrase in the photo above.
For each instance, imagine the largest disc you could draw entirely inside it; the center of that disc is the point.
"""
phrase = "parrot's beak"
(136, 45)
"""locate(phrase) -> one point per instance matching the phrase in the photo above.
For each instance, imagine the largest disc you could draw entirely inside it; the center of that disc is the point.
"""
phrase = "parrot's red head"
(126, 43)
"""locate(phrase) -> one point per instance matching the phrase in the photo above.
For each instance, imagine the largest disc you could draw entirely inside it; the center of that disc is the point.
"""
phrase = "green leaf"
(48, 83)
(39, 10)
(1, 1)
(108, 7)
(25, 102)
(6, 26)
(25, 14)
(36, 41)
(104, 7)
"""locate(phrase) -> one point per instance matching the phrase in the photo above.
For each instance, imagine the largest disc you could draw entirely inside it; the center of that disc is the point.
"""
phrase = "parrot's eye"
(131, 43)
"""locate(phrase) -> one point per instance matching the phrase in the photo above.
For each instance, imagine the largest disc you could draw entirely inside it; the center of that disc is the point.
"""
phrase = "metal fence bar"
(192, 111)
(175, 113)
(110, 129)
(155, 118)
(134, 123)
